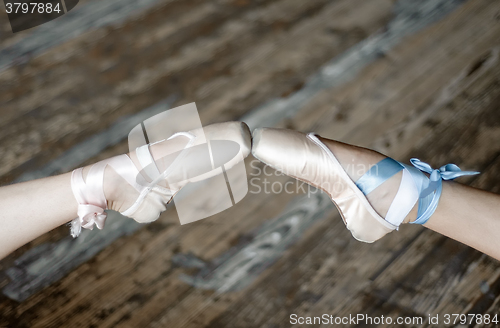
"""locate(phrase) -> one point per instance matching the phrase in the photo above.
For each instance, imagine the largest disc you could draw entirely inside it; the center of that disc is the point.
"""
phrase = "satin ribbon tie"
(445, 172)
(90, 193)
(88, 215)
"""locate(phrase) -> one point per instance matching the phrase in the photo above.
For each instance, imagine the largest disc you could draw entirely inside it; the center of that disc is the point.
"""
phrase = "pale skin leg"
(30, 209)
(468, 215)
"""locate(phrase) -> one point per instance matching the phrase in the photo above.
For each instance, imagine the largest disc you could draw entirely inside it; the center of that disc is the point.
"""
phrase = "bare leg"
(30, 209)
(469, 215)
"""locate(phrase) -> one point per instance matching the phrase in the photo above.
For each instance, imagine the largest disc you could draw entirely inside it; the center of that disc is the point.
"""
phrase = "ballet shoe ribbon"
(445, 172)
(89, 193)
(90, 215)
(429, 196)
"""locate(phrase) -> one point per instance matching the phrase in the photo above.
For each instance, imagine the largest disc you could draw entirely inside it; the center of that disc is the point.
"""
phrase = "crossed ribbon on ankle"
(90, 195)
(445, 172)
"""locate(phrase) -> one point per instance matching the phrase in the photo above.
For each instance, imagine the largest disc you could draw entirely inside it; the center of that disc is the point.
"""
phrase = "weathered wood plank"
(85, 17)
(408, 18)
(60, 164)
(37, 126)
(247, 312)
(122, 86)
(95, 144)
(326, 271)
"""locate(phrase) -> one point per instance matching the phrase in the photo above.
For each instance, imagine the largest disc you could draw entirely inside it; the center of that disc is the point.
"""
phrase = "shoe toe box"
(284, 150)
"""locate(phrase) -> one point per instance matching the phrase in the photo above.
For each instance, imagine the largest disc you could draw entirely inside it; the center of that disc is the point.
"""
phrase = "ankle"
(356, 161)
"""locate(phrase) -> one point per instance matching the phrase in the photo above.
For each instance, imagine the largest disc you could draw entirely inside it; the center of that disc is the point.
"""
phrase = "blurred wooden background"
(408, 78)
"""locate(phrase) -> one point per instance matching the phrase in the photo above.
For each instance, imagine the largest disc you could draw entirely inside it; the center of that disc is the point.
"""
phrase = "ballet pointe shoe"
(307, 158)
(140, 184)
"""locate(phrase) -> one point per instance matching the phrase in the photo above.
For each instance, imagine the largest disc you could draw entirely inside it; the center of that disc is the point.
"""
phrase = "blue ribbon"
(445, 172)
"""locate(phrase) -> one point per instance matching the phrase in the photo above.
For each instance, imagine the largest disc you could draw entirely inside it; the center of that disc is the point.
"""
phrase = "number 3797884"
(32, 8)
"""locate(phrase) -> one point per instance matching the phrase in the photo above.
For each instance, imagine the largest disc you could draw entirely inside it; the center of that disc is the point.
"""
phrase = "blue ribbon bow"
(445, 172)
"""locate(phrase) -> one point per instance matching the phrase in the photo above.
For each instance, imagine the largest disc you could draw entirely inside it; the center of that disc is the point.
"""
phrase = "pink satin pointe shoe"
(395, 188)
(141, 184)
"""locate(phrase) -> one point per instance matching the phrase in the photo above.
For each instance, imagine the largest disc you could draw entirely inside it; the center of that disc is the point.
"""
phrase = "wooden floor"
(408, 78)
